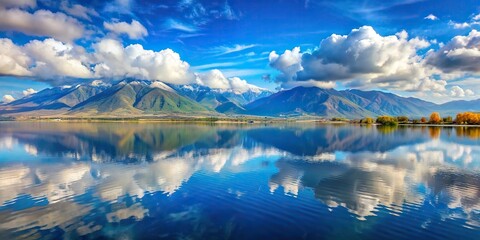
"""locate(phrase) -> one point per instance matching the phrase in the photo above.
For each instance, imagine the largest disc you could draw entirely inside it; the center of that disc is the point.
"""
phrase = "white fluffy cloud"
(213, 79)
(458, 92)
(56, 59)
(362, 53)
(431, 17)
(48, 59)
(288, 63)
(56, 62)
(8, 99)
(134, 30)
(361, 59)
(28, 92)
(216, 80)
(13, 60)
(459, 25)
(461, 54)
(115, 61)
(78, 10)
(41, 23)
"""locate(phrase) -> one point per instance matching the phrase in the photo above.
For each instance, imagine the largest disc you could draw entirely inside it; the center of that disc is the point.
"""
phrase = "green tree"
(387, 121)
(367, 121)
(448, 119)
(402, 119)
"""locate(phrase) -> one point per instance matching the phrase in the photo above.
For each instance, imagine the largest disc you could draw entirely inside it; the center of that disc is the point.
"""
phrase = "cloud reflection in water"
(62, 176)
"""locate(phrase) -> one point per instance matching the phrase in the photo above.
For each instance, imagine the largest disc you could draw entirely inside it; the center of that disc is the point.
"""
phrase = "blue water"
(193, 181)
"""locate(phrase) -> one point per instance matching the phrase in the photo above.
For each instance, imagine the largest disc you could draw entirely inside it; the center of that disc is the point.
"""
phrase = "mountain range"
(132, 97)
(352, 104)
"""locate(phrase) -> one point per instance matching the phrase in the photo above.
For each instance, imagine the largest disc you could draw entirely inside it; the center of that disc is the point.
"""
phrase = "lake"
(194, 181)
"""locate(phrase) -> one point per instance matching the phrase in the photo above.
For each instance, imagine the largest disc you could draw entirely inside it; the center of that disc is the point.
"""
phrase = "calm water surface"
(161, 181)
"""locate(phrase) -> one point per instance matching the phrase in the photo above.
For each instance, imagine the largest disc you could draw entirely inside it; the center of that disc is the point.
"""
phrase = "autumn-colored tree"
(468, 118)
(435, 118)
(460, 119)
(423, 120)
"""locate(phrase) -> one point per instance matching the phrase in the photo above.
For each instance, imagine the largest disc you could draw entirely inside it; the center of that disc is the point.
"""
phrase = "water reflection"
(78, 179)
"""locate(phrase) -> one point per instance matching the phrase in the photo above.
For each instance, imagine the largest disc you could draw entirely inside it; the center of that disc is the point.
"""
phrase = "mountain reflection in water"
(111, 180)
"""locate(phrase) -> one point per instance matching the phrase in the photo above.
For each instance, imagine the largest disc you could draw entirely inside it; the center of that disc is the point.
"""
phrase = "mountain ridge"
(137, 98)
(351, 103)
(131, 97)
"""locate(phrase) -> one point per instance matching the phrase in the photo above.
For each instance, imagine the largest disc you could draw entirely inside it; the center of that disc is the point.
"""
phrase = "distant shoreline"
(179, 120)
(213, 120)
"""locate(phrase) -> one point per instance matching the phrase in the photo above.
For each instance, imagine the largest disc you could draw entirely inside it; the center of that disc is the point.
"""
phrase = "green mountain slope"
(155, 100)
(136, 98)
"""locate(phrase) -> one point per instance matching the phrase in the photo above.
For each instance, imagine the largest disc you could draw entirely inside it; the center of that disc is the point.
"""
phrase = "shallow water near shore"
(204, 181)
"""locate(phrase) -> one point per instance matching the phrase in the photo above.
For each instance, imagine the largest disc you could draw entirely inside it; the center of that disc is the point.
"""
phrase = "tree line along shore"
(466, 118)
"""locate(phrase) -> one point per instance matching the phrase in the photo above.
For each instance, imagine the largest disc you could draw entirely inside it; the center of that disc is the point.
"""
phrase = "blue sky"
(237, 39)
